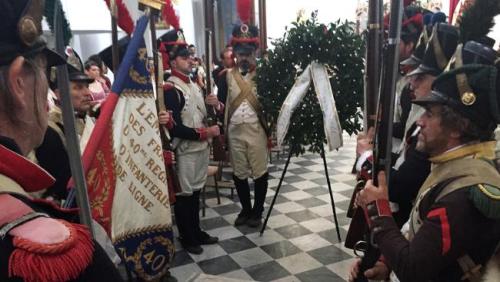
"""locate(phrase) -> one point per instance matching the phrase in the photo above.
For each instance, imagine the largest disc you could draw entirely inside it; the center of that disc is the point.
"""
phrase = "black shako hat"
(173, 45)
(245, 39)
(469, 85)
(245, 36)
(440, 47)
(21, 22)
(412, 21)
(75, 69)
(411, 24)
(418, 54)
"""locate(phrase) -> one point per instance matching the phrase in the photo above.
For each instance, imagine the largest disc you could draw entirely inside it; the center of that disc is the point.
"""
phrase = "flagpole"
(114, 35)
(154, 45)
(72, 142)
(263, 24)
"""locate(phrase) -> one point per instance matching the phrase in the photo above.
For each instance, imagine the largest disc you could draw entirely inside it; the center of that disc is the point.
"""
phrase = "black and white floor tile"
(300, 242)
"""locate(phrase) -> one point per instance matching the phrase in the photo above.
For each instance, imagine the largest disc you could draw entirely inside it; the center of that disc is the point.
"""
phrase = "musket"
(373, 65)
(383, 135)
(217, 146)
(72, 140)
(373, 61)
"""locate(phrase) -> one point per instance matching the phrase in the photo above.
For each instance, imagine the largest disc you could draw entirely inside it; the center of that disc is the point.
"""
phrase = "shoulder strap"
(246, 93)
(179, 84)
(415, 219)
(472, 171)
(19, 221)
(482, 172)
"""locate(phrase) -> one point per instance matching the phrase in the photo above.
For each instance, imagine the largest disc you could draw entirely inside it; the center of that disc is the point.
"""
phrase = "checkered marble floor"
(300, 242)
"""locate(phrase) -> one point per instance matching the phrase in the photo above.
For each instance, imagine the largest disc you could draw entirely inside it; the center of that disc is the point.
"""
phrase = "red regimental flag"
(125, 170)
(99, 161)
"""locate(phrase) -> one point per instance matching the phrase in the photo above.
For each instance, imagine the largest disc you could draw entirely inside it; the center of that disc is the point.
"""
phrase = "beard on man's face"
(245, 65)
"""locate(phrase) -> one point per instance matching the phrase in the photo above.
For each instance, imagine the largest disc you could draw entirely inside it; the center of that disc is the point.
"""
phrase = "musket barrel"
(72, 140)
(384, 127)
(217, 145)
(385, 111)
(373, 62)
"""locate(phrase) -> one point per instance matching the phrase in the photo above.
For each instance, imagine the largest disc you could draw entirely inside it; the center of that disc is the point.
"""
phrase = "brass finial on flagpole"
(154, 4)
(153, 9)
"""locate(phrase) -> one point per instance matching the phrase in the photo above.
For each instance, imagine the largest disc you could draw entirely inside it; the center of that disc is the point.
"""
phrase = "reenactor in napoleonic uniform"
(38, 241)
(411, 29)
(52, 154)
(191, 135)
(245, 126)
(412, 166)
(454, 227)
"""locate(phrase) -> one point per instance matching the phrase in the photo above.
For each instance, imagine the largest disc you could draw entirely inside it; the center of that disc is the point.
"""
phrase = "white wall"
(281, 13)
(91, 23)
(495, 34)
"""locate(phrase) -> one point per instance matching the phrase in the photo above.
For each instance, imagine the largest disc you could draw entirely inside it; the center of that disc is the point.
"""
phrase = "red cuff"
(383, 207)
(378, 208)
(203, 133)
(168, 157)
(170, 124)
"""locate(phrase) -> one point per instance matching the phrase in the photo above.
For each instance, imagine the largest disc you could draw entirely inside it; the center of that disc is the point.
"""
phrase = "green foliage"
(49, 15)
(341, 50)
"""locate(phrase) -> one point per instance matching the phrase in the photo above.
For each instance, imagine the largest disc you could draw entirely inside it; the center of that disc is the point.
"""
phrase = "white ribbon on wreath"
(316, 73)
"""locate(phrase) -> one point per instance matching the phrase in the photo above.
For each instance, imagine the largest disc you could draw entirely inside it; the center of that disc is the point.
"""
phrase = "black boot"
(184, 220)
(243, 191)
(260, 192)
(203, 237)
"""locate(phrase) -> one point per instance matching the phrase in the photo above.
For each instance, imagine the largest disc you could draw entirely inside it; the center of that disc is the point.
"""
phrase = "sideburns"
(35, 71)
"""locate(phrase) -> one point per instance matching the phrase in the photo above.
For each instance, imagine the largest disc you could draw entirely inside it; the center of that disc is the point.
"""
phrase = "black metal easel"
(281, 182)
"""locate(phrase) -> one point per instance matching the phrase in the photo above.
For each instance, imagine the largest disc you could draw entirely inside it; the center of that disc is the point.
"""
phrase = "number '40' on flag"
(125, 171)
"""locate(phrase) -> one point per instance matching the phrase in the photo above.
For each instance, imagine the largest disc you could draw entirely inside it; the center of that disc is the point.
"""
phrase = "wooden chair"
(212, 172)
(275, 150)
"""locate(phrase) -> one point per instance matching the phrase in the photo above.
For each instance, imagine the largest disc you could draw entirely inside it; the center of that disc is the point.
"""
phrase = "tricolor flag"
(126, 10)
(125, 171)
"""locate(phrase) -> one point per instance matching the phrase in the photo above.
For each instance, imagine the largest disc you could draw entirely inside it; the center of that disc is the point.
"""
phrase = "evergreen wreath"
(341, 50)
